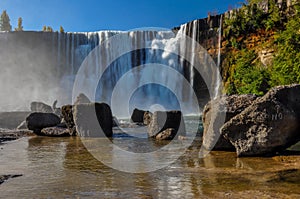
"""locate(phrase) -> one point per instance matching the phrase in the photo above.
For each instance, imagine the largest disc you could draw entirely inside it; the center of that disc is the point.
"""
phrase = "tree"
(47, 29)
(5, 22)
(61, 29)
(20, 26)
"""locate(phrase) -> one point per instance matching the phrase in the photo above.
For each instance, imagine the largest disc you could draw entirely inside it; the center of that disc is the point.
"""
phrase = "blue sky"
(93, 15)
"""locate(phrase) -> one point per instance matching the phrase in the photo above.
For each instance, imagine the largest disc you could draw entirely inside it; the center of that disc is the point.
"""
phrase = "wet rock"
(56, 132)
(147, 118)
(167, 134)
(4, 178)
(40, 107)
(82, 99)
(39, 121)
(93, 120)
(162, 121)
(269, 125)
(225, 107)
(11, 120)
(8, 135)
(67, 113)
(138, 116)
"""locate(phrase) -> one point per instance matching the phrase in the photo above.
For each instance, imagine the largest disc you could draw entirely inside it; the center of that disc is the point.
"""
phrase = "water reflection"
(64, 168)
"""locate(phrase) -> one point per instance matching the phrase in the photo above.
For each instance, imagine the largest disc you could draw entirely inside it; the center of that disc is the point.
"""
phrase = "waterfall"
(218, 81)
(160, 68)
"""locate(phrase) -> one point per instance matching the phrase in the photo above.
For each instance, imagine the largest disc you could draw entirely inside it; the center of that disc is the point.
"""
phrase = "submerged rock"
(7, 134)
(162, 121)
(4, 178)
(93, 120)
(167, 134)
(56, 132)
(225, 107)
(270, 124)
(38, 121)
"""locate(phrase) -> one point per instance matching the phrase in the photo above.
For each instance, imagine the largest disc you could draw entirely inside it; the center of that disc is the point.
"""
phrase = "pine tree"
(61, 29)
(49, 29)
(5, 22)
(20, 26)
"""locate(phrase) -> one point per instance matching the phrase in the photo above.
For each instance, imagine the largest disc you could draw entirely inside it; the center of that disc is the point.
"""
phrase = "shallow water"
(64, 168)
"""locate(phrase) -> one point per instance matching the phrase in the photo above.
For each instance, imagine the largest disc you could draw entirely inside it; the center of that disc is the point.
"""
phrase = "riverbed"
(64, 168)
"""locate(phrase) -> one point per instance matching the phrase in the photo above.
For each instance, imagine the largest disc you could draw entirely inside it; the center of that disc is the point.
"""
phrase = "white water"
(50, 71)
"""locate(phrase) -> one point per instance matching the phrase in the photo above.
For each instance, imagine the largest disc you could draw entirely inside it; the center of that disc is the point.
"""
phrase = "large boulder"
(93, 120)
(163, 120)
(225, 108)
(40, 107)
(270, 124)
(38, 121)
(67, 113)
(138, 116)
(56, 132)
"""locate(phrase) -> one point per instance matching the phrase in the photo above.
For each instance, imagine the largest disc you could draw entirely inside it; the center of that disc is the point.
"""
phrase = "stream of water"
(64, 168)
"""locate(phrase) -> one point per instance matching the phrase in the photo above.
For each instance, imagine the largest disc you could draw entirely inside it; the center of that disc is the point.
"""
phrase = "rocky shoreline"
(9, 135)
(247, 124)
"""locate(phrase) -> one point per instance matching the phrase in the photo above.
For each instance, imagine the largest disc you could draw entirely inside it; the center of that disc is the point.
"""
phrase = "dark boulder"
(162, 121)
(67, 113)
(56, 132)
(38, 121)
(93, 120)
(224, 108)
(40, 107)
(270, 124)
(138, 116)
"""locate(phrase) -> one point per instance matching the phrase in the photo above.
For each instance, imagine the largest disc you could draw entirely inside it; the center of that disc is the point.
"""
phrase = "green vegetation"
(251, 30)
(5, 22)
(286, 66)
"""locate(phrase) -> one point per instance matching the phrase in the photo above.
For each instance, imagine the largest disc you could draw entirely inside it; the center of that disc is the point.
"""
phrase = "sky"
(95, 15)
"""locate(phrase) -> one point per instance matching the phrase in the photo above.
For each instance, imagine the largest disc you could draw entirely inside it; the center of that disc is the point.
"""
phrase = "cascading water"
(50, 62)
